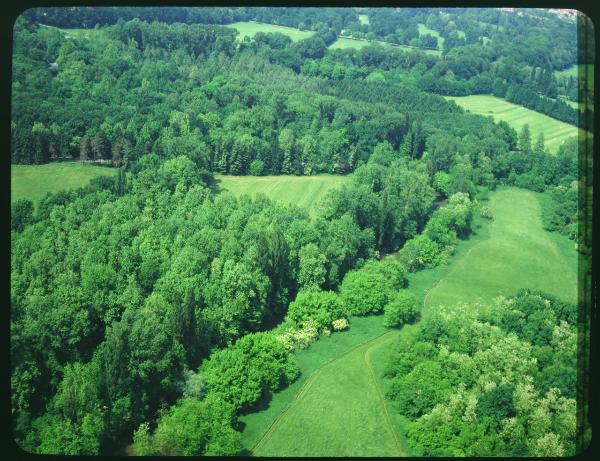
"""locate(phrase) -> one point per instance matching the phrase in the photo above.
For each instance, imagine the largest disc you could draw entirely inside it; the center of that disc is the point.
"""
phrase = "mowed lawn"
(339, 411)
(304, 191)
(250, 28)
(555, 131)
(33, 182)
(519, 253)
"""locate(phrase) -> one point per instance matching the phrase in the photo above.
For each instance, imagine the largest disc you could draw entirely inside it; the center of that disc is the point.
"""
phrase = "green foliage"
(255, 365)
(324, 307)
(469, 381)
(194, 428)
(401, 309)
(367, 290)
(21, 214)
(312, 267)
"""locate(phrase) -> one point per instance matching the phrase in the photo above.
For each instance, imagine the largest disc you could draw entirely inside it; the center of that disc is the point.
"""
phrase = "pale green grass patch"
(555, 131)
(304, 191)
(518, 254)
(250, 28)
(33, 182)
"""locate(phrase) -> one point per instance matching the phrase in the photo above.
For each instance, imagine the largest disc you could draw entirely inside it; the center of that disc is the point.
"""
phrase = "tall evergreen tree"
(525, 139)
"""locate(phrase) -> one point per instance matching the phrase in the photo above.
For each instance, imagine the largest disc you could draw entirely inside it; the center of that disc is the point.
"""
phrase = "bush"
(321, 306)
(486, 213)
(257, 167)
(340, 324)
(255, 364)
(419, 253)
(367, 290)
(401, 309)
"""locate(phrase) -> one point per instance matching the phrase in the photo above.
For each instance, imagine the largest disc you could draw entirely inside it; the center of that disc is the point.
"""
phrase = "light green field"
(35, 181)
(519, 253)
(555, 131)
(304, 191)
(76, 33)
(250, 28)
(333, 409)
(363, 18)
(423, 29)
(357, 44)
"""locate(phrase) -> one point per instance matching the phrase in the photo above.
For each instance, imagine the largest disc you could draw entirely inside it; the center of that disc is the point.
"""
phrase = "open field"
(555, 131)
(35, 181)
(341, 390)
(76, 33)
(423, 29)
(575, 70)
(304, 191)
(363, 18)
(344, 42)
(519, 253)
(250, 28)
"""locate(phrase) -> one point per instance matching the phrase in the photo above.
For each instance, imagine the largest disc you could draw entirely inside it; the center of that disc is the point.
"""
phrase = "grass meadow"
(555, 131)
(33, 182)
(304, 191)
(336, 407)
(250, 28)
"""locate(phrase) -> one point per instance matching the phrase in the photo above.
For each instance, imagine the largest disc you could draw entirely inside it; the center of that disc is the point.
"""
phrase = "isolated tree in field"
(525, 139)
(401, 309)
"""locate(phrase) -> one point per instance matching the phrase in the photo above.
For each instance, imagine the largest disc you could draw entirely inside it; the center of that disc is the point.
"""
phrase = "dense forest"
(157, 309)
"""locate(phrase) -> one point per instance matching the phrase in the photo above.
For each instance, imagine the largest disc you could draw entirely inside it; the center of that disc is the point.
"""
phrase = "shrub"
(367, 290)
(420, 252)
(321, 306)
(257, 167)
(340, 324)
(486, 213)
(401, 309)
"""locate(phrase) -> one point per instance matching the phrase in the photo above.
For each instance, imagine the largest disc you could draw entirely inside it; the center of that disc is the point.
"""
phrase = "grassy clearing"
(363, 18)
(326, 349)
(519, 253)
(76, 33)
(304, 191)
(340, 410)
(423, 29)
(250, 28)
(555, 131)
(343, 42)
(35, 181)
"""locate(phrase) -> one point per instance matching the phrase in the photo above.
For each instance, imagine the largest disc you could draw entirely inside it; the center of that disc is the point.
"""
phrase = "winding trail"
(372, 344)
(366, 356)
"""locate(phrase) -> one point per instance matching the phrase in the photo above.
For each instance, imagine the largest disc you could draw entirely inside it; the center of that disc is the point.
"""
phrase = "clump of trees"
(484, 381)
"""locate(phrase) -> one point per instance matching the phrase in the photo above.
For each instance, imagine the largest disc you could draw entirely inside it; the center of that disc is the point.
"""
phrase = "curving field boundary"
(312, 378)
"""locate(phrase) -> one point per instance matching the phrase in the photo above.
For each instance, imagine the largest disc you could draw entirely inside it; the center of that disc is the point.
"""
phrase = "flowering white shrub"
(340, 324)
